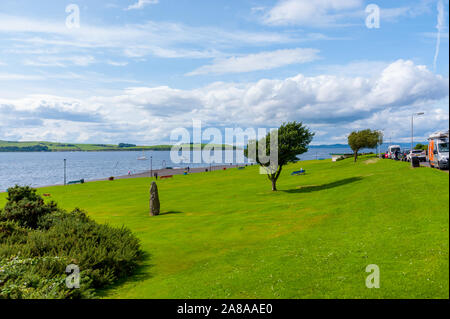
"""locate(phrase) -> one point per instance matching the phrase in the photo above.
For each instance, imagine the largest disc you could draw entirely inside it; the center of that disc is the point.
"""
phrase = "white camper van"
(392, 149)
(438, 150)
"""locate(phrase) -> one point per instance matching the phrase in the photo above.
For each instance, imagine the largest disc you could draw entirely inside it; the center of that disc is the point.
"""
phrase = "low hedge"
(38, 241)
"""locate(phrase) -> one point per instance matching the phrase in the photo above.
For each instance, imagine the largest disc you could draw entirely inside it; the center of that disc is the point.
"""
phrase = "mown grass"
(225, 234)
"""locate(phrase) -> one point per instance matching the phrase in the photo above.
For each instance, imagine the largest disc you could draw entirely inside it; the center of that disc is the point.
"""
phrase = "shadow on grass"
(170, 213)
(317, 188)
(141, 273)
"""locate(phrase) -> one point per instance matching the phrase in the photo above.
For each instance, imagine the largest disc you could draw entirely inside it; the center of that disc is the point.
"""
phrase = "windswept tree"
(293, 140)
(364, 139)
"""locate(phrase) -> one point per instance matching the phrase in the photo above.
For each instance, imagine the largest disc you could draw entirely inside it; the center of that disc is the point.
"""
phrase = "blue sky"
(135, 70)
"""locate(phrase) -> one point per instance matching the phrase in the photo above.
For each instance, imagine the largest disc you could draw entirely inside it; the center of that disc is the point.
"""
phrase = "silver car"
(417, 153)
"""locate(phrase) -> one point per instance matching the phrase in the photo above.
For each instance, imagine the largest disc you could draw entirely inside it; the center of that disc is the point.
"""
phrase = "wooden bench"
(167, 176)
(301, 172)
(81, 181)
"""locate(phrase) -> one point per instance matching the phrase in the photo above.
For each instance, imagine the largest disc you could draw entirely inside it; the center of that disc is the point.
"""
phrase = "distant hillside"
(11, 146)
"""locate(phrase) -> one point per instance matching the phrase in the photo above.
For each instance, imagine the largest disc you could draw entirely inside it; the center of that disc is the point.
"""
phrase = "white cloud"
(161, 39)
(258, 61)
(61, 61)
(440, 27)
(20, 77)
(364, 68)
(329, 13)
(117, 63)
(328, 103)
(309, 13)
(141, 4)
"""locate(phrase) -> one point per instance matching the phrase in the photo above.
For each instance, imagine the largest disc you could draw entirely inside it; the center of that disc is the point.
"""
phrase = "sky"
(135, 71)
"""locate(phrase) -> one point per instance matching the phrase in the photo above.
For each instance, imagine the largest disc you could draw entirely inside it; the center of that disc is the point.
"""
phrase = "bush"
(38, 241)
(39, 278)
(25, 207)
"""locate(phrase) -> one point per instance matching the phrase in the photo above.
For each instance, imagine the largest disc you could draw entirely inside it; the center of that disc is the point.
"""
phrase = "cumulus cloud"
(43, 117)
(258, 61)
(328, 103)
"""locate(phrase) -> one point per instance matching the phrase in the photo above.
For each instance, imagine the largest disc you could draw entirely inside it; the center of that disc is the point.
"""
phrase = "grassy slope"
(58, 147)
(227, 235)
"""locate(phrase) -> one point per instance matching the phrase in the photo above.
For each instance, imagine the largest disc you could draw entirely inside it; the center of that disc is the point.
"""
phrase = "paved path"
(173, 171)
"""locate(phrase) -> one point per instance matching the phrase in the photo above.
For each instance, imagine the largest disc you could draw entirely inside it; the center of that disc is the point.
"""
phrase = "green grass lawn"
(225, 234)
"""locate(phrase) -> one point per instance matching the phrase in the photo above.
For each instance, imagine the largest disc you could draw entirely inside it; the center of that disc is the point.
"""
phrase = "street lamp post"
(151, 166)
(379, 145)
(412, 133)
(65, 171)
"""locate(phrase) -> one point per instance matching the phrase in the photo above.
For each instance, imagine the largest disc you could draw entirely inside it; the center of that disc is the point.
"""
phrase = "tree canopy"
(293, 140)
(364, 139)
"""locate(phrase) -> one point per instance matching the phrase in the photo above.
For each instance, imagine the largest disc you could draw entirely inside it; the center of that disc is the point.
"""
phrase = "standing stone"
(154, 200)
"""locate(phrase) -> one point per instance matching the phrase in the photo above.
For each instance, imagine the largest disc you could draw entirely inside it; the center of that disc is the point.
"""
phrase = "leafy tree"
(421, 147)
(293, 140)
(364, 139)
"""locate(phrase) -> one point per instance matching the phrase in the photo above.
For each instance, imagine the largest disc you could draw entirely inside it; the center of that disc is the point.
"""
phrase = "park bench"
(300, 172)
(81, 181)
(167, 176)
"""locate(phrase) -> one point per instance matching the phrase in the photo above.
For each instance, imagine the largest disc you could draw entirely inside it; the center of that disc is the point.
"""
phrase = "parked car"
(392, 151)
(403, 156)
(417, 153)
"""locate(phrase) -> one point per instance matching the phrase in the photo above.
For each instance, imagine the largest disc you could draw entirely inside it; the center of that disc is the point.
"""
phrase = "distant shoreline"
(48, 147)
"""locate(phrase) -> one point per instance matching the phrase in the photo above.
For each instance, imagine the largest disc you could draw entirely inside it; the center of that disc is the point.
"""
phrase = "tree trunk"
(274, 178)
(356, 156)
(274, 185)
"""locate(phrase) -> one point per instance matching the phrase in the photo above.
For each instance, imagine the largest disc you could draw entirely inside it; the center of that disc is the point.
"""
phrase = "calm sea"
(41, 169)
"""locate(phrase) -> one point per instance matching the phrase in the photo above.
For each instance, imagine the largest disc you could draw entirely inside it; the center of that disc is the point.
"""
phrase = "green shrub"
(25, 207)
(17, 193)
(38, 241)
(39, 278)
